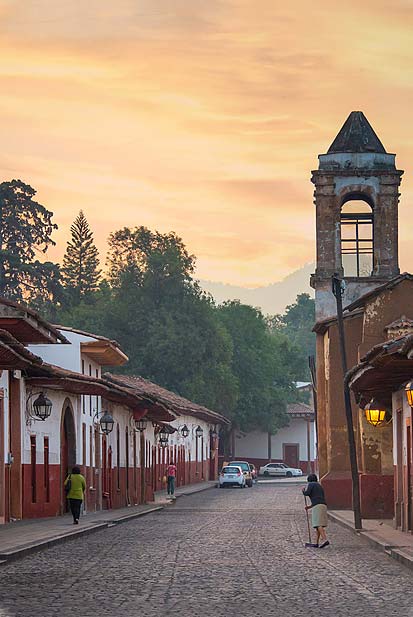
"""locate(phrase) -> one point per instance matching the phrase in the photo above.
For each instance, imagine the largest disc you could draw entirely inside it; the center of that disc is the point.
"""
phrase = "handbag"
(68, 484)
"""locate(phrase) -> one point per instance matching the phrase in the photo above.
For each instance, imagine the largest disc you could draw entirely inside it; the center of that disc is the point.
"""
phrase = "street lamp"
(163, 437)
(375, 414)
(105, 422)
(199, 431)
(409, 393)
(42, 407)
(140, 425)
(184, 431)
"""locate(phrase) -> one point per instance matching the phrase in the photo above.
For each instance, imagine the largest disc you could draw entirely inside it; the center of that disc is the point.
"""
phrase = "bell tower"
(356, 197)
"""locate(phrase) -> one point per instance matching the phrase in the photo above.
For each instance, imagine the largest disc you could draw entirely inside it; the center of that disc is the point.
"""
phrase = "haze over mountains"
(270, 299)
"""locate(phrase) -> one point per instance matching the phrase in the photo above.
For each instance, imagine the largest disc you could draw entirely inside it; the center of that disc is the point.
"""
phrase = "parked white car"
(232, 476)
(279, 469)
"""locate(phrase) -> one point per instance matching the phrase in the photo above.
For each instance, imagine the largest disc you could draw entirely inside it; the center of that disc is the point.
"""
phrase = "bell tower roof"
(356, 135)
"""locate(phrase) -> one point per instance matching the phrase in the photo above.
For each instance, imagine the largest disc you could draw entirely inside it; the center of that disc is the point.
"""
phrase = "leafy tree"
(265, 365)
(80, 271)
(297, 323)
(25, 229)
(160, 262)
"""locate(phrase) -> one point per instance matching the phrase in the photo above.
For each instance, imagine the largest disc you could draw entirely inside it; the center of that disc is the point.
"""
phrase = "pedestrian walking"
(75, 487)
(318, 507)
(171, 475)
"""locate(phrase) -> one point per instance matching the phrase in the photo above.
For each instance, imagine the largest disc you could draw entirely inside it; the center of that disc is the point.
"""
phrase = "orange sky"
(201, 116)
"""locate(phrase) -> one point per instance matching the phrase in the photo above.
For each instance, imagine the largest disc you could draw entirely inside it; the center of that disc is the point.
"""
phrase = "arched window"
(356, 226)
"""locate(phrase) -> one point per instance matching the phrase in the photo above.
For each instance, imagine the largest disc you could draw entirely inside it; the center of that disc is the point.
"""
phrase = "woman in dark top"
(318, 509)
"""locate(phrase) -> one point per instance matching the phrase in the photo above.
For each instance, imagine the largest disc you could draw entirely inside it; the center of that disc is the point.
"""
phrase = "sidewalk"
(31, 535)
(381, 534)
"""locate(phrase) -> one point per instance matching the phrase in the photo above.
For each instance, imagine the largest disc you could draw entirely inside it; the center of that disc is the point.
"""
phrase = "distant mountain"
(271, 298)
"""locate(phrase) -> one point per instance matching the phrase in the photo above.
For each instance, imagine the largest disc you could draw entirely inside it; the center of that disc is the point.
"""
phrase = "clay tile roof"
(23, 308)
(14, 354)
(356, 135)
(300, 409)
(178, 403)
(402, 322)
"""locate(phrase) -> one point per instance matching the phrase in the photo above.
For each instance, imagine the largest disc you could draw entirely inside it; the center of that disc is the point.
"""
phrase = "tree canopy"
(26, 229)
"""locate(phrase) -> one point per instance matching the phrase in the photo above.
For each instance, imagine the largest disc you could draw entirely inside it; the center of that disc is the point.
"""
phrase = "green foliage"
(297, 323)
(80, 270)
(25, 230)
(265, 365)
(228, 358)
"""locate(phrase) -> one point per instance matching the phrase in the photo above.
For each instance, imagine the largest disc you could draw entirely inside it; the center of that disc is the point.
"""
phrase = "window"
(356, 226)
(33, 466)
(46, 475)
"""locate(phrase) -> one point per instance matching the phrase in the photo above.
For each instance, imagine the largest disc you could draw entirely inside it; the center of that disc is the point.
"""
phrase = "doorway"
(291, 454)
(67, 449)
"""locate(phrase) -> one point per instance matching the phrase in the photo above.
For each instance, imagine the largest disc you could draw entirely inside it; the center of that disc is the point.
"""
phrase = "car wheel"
(289, 474)
(266, 474)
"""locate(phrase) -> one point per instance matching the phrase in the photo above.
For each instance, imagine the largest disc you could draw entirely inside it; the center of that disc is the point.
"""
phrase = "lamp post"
(338, 291)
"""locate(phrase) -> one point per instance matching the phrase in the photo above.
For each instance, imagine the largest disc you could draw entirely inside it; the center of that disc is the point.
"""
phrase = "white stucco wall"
(255, 444)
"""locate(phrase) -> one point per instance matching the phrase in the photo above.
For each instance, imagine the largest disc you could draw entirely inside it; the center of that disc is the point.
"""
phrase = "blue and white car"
(280, 470)
(231, 475)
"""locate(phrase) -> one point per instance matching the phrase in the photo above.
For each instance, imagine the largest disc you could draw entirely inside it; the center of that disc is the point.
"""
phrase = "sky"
(200, 116)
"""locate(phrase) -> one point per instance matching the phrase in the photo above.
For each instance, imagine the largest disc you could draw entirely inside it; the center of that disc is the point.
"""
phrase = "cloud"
(202, 117)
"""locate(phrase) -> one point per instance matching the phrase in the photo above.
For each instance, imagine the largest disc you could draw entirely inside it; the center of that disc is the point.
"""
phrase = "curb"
(395, 552)
(14, 554)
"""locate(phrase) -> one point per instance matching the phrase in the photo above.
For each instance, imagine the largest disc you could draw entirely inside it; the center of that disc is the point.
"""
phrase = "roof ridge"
(356, 135)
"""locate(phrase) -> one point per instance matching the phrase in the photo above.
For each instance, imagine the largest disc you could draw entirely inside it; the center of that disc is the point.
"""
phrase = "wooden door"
(291, 454)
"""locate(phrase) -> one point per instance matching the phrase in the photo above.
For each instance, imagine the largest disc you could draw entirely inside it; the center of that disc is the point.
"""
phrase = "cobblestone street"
(227, 553)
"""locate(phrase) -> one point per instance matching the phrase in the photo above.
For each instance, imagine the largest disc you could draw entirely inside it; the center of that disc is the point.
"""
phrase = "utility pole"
(338, 291)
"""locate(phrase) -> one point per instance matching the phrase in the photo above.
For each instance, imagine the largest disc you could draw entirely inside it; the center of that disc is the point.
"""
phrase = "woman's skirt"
(319, 516)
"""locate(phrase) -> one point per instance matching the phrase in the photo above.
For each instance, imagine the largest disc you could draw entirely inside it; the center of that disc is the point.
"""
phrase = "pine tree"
(80, 270)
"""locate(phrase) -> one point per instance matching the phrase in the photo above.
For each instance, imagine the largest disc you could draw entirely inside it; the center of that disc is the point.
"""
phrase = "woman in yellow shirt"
(77, 486)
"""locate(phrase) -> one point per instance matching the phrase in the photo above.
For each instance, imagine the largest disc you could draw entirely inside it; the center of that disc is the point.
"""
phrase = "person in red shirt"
(171, 475)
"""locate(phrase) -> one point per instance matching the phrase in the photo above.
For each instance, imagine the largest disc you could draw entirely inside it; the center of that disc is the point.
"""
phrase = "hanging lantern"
(140, 425)
(42, 407)
(375, 413)
(184, 431)
(106, 423)
(409, 393)
(199, 431)
(163, 437)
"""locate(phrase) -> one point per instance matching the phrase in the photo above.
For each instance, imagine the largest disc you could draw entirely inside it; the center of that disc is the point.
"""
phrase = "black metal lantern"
(163, 436)
(42, 407)
(184, 431)
(199, 431)
(106, 423)
(140, 425)
(213, 433)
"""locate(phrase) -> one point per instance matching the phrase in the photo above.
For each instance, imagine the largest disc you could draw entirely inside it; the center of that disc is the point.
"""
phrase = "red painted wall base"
(376, 494)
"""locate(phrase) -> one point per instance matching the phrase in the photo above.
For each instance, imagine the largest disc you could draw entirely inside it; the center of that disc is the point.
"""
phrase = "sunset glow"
(205, 118)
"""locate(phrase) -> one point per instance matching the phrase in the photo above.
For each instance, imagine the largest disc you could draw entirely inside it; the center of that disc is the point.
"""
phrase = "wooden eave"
(26, 325)
(104, 353)
(384, 370)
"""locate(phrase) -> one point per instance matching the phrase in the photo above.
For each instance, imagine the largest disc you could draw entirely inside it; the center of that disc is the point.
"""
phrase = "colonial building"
(293, 444)
(58, 410)
(356, 199)
(385, 376)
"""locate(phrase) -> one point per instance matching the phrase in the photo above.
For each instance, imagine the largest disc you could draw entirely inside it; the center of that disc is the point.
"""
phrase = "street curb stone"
(395, 552)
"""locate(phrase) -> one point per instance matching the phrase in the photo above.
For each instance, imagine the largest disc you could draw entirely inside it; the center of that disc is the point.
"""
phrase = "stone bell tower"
(356, 198)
